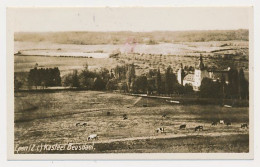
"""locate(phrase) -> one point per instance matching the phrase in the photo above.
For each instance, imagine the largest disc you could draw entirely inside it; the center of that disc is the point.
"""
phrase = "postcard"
(130, 83)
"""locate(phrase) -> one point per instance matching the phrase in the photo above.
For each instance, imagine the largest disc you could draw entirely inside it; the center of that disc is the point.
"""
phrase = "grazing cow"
(183, 126)
(221, 121)
(108, 113)
(214, 123)
(244, 126)
(125, 117)
(164, 115)
(199, 128)
(78, 124)
(93, 136)
(84, 124)
(160, 130)
(145, 105)
(228, 123)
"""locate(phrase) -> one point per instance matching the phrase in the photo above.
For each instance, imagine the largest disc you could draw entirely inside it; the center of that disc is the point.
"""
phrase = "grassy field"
(51, 118)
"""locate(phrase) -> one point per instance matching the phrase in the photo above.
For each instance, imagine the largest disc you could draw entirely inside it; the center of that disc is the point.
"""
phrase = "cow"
(221, 121)
(244, 126)
(215, 123)
(84, 124)
(228, 123)
(199, 128)
(108, 113)
(183, 126)
(78, 124)
(164, 115)
(160, 130)
(125, 118)
(93, 137)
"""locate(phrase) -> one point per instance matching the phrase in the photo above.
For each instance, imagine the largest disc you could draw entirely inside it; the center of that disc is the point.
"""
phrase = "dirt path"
(170, 136)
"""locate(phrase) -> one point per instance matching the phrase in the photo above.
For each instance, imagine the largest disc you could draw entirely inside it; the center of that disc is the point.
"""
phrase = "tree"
(210, 89)
(179, 89)
(188, 88)
(99, 84)
(151, 87)
(111, 84)
(122, 87)
(233, 85)
(120, 72)
(159, 82)
(130, 75)
(86, 79)
(57, 78)
(17, 84)
(243, 85)
(140, 84)
(75, 79)
(170, 80)
(33, 77)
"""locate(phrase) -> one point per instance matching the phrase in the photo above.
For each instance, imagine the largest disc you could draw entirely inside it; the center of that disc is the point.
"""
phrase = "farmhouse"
(200, 72)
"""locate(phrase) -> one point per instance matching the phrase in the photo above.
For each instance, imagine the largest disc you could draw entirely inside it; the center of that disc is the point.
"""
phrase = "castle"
(200, 72)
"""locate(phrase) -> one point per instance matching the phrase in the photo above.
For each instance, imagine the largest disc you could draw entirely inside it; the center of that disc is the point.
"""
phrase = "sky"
(128, 19)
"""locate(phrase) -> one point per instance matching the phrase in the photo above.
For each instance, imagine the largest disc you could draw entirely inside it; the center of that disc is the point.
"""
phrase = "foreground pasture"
(52, 117)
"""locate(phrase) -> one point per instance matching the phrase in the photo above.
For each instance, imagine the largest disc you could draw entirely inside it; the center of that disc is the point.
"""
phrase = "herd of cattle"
(200, 127)
(162, 129)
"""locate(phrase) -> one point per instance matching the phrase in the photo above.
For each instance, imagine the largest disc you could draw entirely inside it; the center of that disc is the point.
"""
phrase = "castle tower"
(199, 74)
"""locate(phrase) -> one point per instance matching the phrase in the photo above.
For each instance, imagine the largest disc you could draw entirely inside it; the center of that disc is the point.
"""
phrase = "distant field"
(51, 118)
(65, 64)
(70, 56)
(148, 50)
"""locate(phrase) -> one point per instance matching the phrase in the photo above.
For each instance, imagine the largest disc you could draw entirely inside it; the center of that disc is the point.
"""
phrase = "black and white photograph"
(141, 80)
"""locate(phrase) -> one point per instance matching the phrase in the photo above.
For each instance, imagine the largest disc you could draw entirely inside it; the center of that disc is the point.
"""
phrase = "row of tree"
(124, 78)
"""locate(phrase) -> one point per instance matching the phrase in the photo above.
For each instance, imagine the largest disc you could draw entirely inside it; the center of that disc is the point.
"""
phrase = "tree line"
(124, 79)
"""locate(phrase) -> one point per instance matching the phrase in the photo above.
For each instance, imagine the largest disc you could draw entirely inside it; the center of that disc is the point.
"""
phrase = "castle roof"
(200, 66)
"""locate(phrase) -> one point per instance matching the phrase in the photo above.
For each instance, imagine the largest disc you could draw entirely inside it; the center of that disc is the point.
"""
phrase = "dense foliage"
(44, 77)
(236, 86)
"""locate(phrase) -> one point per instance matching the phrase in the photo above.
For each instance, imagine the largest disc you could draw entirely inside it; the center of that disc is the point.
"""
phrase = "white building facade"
(200, 72)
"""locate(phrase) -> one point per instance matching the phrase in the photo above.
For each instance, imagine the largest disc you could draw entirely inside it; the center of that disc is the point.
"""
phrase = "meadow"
(51, 118)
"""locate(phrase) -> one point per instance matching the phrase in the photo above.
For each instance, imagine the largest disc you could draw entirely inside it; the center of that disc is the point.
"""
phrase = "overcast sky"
(129, 19)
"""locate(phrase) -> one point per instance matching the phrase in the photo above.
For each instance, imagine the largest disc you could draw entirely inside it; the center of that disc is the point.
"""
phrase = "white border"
(3, 99)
